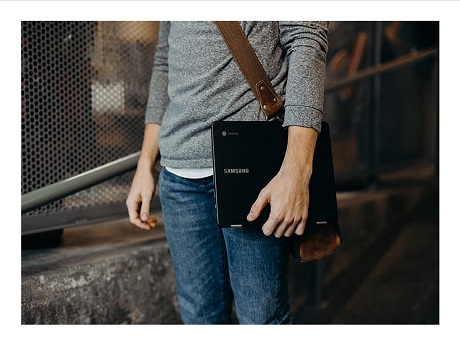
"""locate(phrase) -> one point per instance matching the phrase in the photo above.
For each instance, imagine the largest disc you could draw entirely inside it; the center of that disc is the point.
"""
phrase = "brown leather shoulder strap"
(251, 67)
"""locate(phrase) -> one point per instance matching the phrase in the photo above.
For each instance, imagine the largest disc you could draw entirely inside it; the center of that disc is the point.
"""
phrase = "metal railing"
(394, 64)
(56, 191)
(62, 189)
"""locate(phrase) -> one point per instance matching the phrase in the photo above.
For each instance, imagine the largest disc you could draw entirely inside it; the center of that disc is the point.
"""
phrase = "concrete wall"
(112, 273)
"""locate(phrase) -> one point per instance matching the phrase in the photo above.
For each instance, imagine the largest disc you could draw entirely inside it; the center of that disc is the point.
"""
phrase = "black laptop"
(238, 149)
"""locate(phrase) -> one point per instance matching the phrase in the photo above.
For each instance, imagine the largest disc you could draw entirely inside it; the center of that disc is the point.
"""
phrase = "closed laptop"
(248, 154)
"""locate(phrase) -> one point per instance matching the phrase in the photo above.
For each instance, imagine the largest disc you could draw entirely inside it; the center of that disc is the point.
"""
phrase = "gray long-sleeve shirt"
(195, 81)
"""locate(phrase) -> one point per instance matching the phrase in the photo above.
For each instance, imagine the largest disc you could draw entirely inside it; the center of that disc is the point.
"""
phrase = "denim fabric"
(215, 266)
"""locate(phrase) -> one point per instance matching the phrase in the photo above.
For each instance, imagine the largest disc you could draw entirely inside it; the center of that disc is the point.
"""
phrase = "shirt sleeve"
(158, 93)
(306, 45)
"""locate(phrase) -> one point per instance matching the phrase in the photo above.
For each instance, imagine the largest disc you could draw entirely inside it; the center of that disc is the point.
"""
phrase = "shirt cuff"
(303, 116)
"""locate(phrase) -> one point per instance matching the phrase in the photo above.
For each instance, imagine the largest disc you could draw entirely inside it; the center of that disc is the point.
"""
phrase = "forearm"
(150, 150)
(300, 150)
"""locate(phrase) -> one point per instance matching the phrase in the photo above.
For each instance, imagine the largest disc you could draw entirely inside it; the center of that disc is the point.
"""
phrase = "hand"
(288, 193)
(139, 198)
(288, 196)
(143, 185)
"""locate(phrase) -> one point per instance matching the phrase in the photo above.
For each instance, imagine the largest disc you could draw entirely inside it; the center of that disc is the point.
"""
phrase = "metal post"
(376, 114)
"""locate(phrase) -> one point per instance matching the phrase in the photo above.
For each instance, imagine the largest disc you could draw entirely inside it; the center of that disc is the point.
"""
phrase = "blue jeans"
(215, 266)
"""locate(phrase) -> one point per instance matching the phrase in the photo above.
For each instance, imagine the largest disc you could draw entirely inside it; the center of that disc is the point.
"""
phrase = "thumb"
(258, 206)
(145, 207)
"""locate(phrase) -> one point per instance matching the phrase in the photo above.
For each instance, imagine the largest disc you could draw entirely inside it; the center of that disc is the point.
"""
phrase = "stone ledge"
(130, 285)
(113, 273)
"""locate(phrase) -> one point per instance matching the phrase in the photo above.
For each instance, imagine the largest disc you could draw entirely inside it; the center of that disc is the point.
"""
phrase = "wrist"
(146, 163)
(301, 147)
(149, 151)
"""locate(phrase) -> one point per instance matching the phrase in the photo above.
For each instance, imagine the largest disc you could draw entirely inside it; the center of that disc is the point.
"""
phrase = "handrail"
(399, 62)
(58, 190)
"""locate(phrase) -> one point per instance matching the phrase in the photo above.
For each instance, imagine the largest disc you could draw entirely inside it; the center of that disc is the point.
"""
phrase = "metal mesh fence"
(84, 88)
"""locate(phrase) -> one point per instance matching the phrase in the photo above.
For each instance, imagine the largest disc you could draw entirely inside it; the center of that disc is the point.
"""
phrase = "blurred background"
(84, 88)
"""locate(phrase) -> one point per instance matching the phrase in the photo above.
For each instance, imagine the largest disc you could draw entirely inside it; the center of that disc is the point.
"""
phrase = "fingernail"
(144, 216)
(152, 222)
(266, 232)
(250, 216)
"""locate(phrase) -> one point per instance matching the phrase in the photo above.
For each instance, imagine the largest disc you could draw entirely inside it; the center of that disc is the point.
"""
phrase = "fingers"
(284, 226)
(300, 229)
(152, 221)
(258, 206)
(281, 222)
(139, 198)
(145, 207)
(138, 211)
(273, 223)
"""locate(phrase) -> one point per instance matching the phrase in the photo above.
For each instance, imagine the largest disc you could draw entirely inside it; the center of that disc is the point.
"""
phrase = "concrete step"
(114, 273)
(108, 273)
(395, 277)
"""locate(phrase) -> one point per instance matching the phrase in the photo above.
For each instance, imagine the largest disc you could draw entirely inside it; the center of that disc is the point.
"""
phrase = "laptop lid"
(248, 154)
